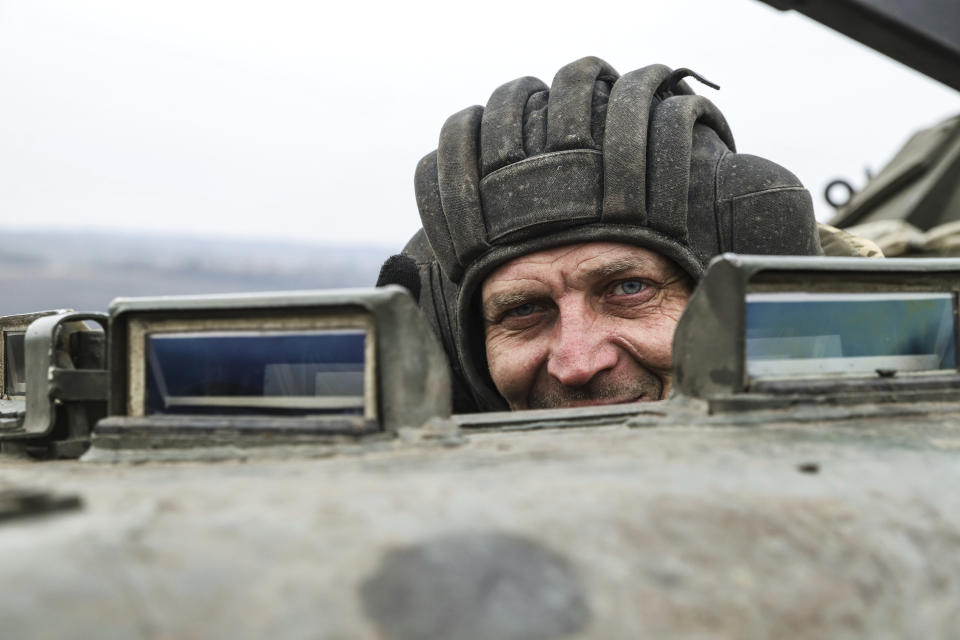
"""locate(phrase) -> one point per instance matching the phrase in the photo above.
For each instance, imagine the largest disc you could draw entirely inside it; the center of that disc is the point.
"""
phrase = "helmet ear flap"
(401, 269)
(416, 269)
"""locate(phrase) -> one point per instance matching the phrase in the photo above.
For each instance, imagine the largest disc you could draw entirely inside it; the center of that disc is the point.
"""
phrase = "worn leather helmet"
(596, 156)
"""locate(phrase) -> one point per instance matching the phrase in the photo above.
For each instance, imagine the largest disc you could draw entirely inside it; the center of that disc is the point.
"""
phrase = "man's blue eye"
(629, 287)
(522, 310)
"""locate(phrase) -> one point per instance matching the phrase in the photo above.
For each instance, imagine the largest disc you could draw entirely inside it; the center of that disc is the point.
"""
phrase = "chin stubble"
(553, 395)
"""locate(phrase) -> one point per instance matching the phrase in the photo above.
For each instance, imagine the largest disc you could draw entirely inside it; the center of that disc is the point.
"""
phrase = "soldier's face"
(583, 324)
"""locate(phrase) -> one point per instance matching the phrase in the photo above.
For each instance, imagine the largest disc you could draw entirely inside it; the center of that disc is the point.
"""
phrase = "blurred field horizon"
(86, 269)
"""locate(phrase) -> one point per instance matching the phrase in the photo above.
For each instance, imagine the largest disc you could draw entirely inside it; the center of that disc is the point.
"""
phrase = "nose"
(579, 350)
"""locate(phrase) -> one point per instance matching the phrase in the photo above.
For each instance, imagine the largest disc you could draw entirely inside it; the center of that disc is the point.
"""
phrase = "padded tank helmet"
(596, 156)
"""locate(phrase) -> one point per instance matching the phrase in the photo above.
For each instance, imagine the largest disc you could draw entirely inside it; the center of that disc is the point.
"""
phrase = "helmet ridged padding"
(669, 150)
(501, 129)
(570, 110)
(625, 144)
(458, 177)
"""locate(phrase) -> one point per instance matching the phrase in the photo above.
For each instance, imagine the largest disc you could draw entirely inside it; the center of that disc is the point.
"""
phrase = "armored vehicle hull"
(819, 523)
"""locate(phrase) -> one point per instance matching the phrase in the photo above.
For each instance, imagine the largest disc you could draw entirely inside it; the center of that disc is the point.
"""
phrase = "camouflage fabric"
(837, 242)
(942, 240)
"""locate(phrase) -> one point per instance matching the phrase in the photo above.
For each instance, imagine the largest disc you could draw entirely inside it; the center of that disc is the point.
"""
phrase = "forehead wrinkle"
(502, 284)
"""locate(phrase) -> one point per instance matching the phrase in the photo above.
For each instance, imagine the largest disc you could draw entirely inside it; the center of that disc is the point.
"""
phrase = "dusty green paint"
(831, 528)
(919, 185)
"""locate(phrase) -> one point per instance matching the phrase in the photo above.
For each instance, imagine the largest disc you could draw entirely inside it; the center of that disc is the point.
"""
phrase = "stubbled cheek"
(512, 364)
(495, 340)
(651, 345)
(511, 384)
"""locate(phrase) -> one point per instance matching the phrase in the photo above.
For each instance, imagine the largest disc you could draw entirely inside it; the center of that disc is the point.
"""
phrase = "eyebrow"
(617, 267)
(503, 300)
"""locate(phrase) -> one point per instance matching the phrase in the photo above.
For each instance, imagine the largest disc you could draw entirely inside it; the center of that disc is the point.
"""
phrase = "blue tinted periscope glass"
(273, 372)
(15, 366)
(790, 334)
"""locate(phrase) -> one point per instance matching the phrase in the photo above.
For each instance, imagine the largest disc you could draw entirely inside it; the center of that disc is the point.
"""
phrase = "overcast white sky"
(305, 120)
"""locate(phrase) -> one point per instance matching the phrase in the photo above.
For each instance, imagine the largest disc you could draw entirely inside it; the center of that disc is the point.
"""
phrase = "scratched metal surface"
(844, 529)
